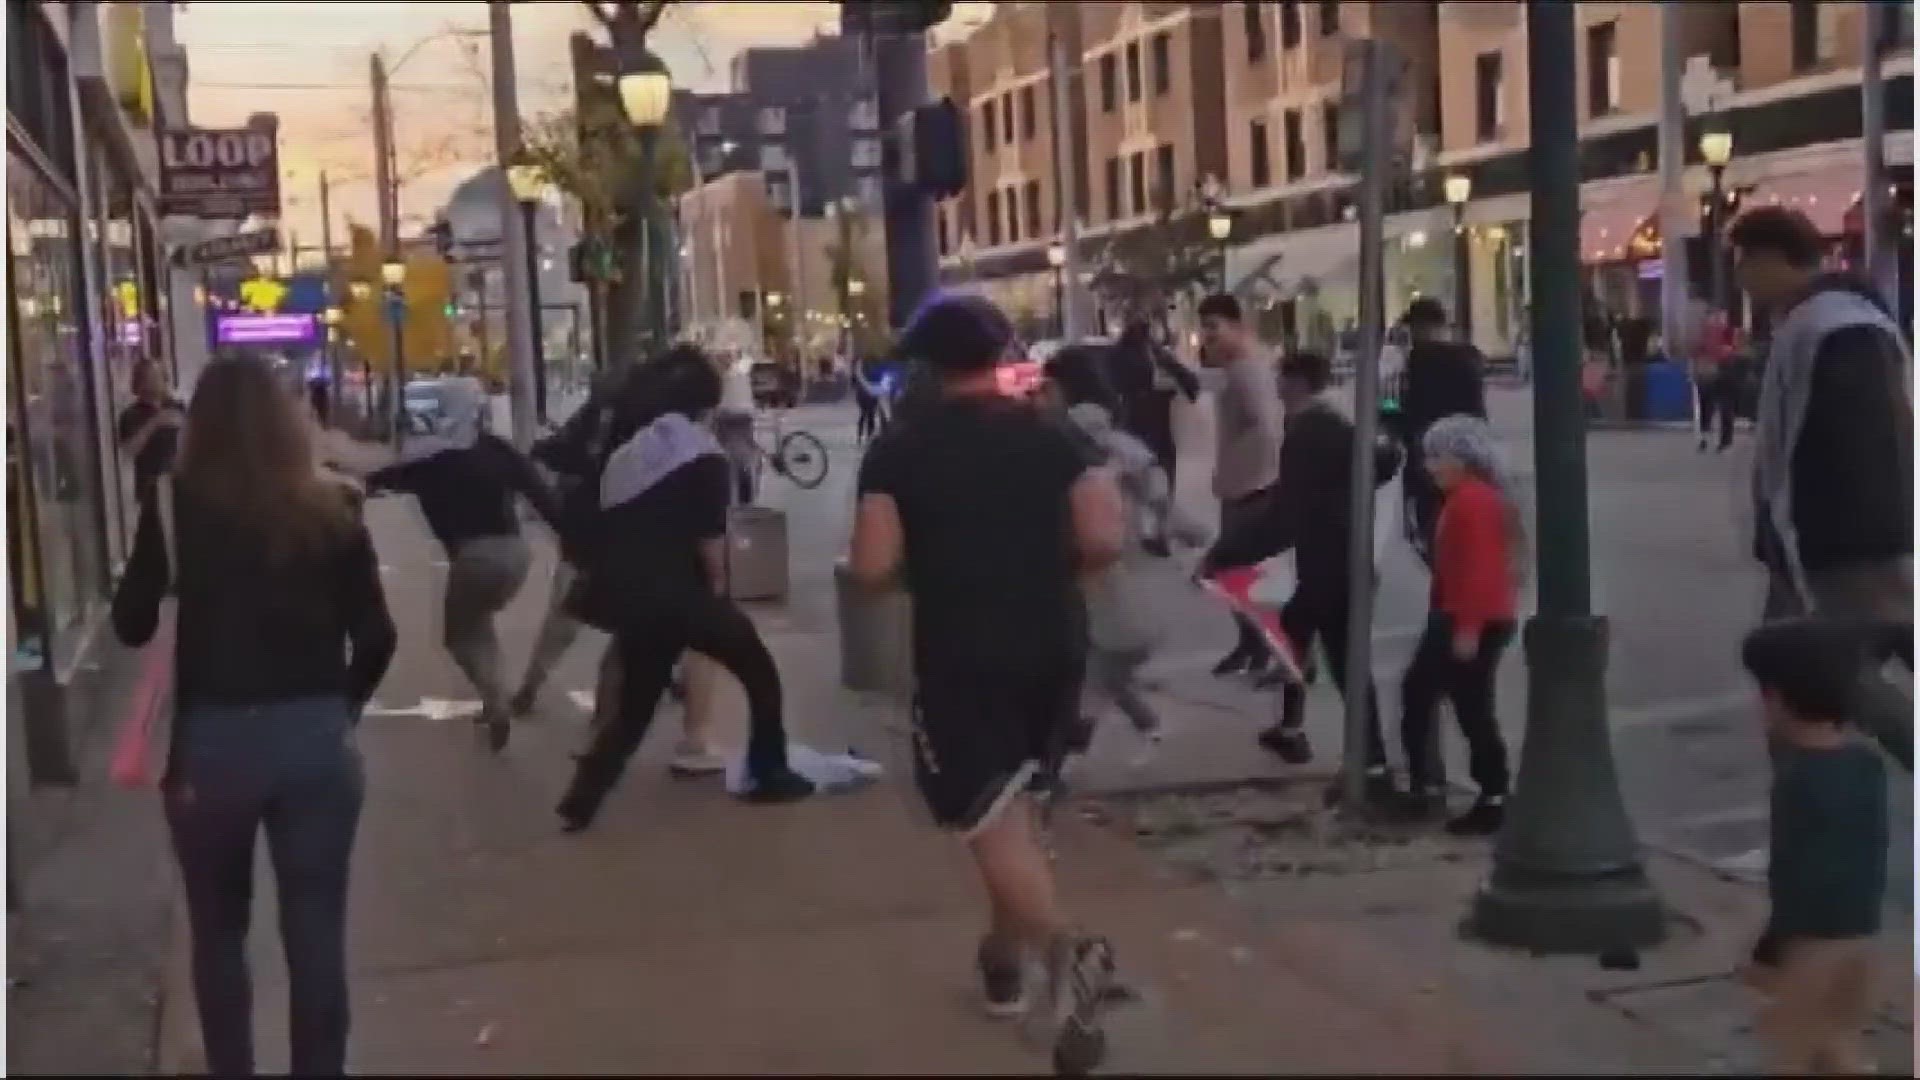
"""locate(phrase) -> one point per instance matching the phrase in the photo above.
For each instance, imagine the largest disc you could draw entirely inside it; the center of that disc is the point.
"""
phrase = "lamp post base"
(1567, 875)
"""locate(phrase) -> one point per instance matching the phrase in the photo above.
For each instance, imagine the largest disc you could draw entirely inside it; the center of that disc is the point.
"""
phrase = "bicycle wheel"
(801, 458)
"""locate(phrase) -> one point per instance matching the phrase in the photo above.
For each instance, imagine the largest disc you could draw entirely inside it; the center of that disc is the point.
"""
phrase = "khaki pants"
(1821, 996)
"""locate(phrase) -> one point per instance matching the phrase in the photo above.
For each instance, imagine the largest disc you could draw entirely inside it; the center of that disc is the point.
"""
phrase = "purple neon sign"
(265, 329)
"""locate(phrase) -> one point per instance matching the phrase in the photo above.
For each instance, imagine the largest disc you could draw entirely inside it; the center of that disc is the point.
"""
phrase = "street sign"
(220, 172)
(237, 246)
(475, 251)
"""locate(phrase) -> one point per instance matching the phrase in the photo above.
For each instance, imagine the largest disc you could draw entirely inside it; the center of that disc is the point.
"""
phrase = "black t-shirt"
(644, 554)
(468, 494)
(982, 489)
(155, 459)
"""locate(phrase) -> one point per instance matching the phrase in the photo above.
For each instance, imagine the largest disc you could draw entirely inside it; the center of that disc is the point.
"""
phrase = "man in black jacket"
(1309, 511)
(1833, 456)
(1443, 378)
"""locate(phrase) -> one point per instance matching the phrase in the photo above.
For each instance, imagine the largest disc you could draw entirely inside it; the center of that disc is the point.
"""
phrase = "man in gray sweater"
(1247, 426)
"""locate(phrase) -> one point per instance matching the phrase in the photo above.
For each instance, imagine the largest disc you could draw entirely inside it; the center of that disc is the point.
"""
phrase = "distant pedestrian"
(1443, 378)
(990, 511)
(1310, 513)
(1148, 378)
(1716, 378)
(866, 398)
(654, 576)
(733, 425)
(466, 479)
(1478, 556)
(1833, 455)
(1827, 859)
(1247, 460)
(149, 429)
(282, 637)
(1122, 630)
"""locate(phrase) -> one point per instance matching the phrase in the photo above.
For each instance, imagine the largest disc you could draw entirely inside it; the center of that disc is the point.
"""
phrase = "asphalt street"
(1670, 571)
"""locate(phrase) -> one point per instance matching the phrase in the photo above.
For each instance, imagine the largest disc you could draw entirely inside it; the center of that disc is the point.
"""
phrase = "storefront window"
(49, 365)
(125, 338)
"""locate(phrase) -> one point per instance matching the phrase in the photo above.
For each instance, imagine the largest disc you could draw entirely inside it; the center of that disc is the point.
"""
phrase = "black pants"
(1423, 504)
(1719, 398)
(650, 645)
(1469, 684)
(869, 417)
(1252, 643)
(1322, 613)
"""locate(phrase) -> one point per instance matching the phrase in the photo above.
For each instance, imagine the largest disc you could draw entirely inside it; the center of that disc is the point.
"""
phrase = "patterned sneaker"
(1003, 979)
(1079, 992)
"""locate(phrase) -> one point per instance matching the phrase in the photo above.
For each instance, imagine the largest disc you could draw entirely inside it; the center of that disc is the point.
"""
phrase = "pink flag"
(1236, 586)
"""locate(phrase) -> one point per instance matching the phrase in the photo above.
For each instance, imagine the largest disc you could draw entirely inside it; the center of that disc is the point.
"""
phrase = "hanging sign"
(229, 173)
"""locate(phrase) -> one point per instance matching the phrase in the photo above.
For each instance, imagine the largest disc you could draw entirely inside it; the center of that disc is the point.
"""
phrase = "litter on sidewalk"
(830, 773)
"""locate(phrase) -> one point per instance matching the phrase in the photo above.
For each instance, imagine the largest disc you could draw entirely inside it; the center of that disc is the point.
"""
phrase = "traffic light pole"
(1567, 875)
(506, 134)
(900, 65)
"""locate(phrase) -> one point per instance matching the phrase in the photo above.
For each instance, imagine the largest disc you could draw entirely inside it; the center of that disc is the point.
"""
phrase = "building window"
(1804, 32)
(1330, 134)
(1113, 189)
(940, 219)
(993, 219)
(1011, 200)
(1137, 169)
(773, 120)
(869, 189)
(987, 126)
(1329, 17)
(1163, 175)
(1262, 164)
(866, 153)
(709, 121)
(773, 158)
(1490, 97)
(1603, 69)
(1290, 26)
(1256, 29)
(1006, 118)
(1026, 114)
(1134, 82)
(1033, 208)
(1162, 63)
(1296, 144)
(1109, 83)
(865, 115)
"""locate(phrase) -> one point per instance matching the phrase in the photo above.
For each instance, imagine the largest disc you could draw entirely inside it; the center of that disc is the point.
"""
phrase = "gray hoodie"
(1119, 615)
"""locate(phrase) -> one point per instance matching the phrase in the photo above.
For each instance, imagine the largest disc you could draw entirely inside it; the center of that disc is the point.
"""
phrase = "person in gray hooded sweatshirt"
(1833, 464)
(1122, 631)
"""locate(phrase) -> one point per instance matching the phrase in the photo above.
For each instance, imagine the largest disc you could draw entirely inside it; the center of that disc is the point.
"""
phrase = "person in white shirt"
(733, 422)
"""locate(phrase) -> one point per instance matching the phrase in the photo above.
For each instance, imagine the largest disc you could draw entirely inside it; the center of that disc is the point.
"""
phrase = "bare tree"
(1151, 266)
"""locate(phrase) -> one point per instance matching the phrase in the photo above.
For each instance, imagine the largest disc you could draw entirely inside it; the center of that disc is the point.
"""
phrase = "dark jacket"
(468, 494)
(1309, 510)
(1443, 378)
(1146, 410)
(575, 454)
(1852, 465)
(251, 629)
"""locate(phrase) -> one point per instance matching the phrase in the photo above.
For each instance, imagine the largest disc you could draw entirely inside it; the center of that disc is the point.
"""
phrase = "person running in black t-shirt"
(990, 510)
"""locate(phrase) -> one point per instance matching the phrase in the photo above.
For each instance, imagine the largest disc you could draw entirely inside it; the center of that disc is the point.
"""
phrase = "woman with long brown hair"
(282, 636)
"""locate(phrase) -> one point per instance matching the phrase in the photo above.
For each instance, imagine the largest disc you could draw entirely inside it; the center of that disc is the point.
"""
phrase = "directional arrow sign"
(237, 246)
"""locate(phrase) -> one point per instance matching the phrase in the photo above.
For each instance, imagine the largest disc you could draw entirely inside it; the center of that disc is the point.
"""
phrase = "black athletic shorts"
(982, 738)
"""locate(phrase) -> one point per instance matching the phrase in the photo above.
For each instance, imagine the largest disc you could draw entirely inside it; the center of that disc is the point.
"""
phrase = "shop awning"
(1823, 196)
(1606, 231)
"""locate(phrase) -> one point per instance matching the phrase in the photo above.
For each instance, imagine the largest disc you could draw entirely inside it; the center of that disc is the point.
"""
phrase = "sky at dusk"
(309, 63)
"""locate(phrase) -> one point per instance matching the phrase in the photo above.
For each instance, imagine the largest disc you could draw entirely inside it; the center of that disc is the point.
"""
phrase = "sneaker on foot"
(784, 786)
(1003, 979)
(496, 728)
(1485, 817)
(525, 703)
(1290, 744)
(692, 762)
(1421, 801)
(1078, 992)
(1234, 663)
(576, 812)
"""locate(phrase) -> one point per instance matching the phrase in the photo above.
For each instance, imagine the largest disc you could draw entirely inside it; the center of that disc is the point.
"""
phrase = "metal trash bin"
(756, 553)
(876, 635)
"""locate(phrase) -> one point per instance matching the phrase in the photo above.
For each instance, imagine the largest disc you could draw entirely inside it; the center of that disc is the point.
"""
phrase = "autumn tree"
(1170, 258)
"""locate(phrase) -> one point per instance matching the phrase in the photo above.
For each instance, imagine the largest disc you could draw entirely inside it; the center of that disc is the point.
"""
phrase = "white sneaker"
(693, 761)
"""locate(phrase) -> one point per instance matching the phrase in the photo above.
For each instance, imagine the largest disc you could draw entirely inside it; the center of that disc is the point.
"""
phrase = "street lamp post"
(1716, 149)
(529, 184)
(393, 274)
(1567, 875)
(1219, 222)
(360, 291)
(330, 355)
(1057, 258)
(856, 288)
(1459, 189)
(646, 93)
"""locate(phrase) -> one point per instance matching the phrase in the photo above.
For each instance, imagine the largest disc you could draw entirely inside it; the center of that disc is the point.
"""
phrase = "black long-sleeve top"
(468, 494)
(1443, 378)
(250, 628)
(1309, 510)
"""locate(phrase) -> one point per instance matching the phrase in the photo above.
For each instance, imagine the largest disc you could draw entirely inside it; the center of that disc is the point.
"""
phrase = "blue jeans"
(291, 766)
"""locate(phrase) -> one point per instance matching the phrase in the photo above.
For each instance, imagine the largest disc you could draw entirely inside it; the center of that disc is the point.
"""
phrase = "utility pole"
(1882, 267)
(1674, 207)
(335, 385)
(1567, 875)
(517, 244)
(913, 271)
(383, 180)
(1066, 186)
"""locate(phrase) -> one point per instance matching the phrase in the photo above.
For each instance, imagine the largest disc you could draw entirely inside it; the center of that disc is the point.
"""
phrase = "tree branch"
(600, 12)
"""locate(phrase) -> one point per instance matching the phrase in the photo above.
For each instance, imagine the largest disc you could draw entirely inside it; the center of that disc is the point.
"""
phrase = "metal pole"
(796, 306)
(1882, 267)
(506, 137)
(477, 281)
(1462, 274)
(1066, 181)
(334, 383)
(1567, 875)
(1716, 218)
(913, 271)
(389, 207)
(1673, 199)
(1372, 200)
(530, 220)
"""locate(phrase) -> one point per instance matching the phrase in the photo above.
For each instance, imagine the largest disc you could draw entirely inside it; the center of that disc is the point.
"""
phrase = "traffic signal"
(442, 233)
(934, 149)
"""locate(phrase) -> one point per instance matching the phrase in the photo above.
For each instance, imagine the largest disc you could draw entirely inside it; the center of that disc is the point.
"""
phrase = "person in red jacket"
(1476, 570)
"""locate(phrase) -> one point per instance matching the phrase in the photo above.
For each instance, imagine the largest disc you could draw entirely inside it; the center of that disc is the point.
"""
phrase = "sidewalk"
(690, 934)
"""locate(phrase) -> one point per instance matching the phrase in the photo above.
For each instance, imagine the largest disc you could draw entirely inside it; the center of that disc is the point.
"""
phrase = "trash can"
(1669, 392)
(756, 553)
(875, 636)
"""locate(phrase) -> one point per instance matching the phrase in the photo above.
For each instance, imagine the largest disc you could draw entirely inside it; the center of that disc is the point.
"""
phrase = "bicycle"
(797, 456)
